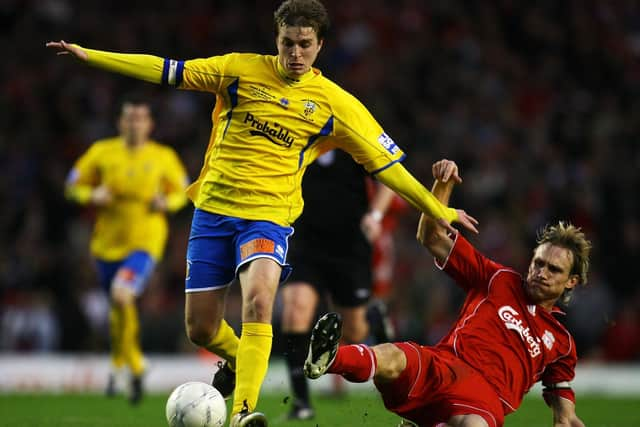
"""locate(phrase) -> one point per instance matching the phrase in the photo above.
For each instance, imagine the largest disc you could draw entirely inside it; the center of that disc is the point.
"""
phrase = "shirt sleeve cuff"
(564, 393)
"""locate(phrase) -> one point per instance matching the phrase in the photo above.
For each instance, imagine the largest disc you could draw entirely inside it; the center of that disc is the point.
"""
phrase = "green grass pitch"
(355, 409)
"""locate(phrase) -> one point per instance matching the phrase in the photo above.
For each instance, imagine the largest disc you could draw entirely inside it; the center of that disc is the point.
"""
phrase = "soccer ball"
(196, 404)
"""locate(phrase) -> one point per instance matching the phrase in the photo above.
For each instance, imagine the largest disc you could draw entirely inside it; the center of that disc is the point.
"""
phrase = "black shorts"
(339, 270)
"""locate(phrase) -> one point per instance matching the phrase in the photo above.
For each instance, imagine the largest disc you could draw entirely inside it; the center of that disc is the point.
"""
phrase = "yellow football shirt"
(267, 128)
(257, 104)
(135, 177)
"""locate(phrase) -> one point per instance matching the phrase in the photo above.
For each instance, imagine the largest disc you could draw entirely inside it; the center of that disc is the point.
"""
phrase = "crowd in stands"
(536, 101)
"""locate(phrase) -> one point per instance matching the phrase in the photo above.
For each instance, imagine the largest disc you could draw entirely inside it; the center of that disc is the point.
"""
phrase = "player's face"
(298, 48)
(135, 123)
(549, 274)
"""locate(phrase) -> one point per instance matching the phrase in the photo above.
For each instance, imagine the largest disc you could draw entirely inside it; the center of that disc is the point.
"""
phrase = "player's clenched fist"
(444, 169)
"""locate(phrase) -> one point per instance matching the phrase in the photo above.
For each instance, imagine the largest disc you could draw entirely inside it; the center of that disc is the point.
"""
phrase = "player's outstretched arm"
(140, 66)
(404, 184)
(430, 233)
(564, 413)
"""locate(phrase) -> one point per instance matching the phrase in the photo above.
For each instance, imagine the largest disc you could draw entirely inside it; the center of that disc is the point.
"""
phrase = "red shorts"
(436, 385)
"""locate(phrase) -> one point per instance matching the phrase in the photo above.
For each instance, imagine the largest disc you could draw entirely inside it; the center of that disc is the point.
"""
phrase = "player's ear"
(320, 44)
(120, 124)
(574, 280)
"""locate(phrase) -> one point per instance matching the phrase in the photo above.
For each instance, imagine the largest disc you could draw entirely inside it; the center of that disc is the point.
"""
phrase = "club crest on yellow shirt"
(309, 108)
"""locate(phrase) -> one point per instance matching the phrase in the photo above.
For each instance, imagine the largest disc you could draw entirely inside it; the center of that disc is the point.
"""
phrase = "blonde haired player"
(506, 338)
(274, 115)
(133, 182)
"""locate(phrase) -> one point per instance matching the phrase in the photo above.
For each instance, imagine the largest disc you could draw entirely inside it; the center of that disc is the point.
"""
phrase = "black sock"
(296, 348)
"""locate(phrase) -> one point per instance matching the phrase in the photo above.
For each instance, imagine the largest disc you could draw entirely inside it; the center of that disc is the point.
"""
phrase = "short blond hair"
(570, 237)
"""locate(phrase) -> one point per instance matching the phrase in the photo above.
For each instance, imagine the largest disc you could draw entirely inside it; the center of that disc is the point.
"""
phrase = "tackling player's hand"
(444, 169)
(65, 48)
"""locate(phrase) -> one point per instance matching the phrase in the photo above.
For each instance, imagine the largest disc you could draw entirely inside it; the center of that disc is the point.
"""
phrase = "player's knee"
(117, 301)
(298, 307)
(468, 420)
(258, 305)
(355, 332)
(299, 296)
(121, 295)
(391, 362)
(297, 320)
(199, 332)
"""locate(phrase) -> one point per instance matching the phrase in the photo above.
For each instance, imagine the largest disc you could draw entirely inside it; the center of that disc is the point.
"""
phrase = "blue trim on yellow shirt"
(179, 72)
(232, 91)
(325, 131)
(165, 72)
(389, 165)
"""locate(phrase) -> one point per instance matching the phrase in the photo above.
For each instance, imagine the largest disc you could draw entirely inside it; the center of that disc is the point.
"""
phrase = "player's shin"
(115, 335)
(131, 339)
(225, 344)
(252, 362)
(296, 353)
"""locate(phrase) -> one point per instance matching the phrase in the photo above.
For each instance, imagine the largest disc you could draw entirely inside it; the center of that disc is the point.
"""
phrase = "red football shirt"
(512, 342)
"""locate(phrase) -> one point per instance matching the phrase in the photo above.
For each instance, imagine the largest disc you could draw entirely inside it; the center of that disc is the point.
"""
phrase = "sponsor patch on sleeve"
(257, 246)
(388, 143)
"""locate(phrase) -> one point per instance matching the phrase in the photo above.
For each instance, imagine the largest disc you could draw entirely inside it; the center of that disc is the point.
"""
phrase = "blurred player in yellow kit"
(133, 182)
(274, 115)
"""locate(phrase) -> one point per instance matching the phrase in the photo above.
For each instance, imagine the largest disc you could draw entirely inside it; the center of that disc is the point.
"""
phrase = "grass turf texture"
(353, 410)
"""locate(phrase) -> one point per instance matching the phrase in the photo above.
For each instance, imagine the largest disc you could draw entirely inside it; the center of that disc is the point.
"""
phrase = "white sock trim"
(372, 358)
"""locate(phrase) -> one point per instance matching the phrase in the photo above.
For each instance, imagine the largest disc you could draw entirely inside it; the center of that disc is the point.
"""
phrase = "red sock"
(356, 363)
